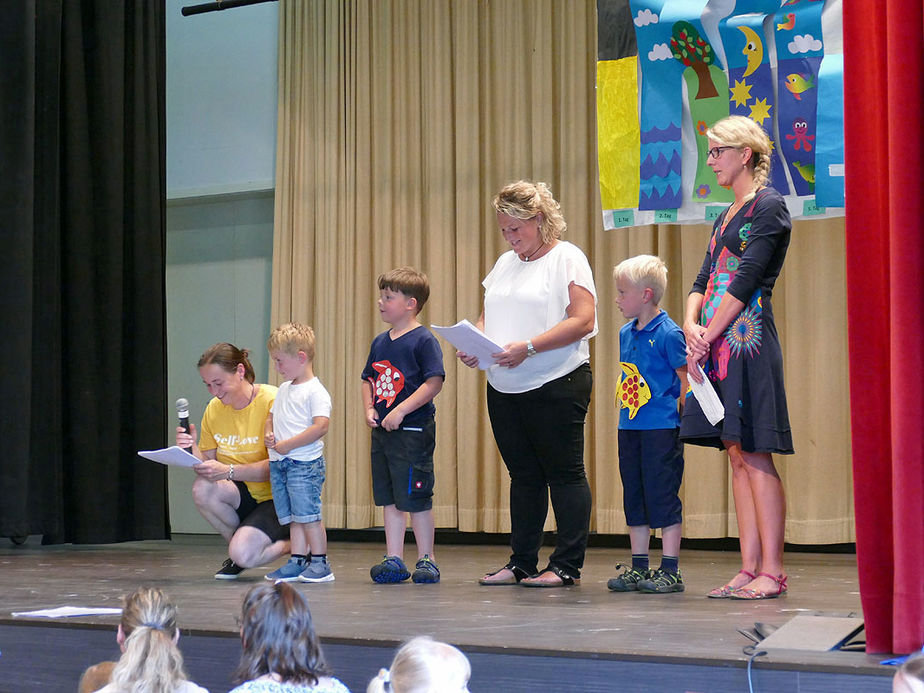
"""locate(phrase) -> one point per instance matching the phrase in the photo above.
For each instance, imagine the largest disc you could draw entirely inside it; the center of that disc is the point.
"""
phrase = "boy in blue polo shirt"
(653, 359)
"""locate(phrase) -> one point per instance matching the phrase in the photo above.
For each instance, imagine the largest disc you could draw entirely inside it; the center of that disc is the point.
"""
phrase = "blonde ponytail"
(151, 661)
(381, 683)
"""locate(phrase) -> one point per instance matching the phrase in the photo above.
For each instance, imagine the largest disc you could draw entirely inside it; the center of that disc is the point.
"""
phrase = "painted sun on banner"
(690, 63)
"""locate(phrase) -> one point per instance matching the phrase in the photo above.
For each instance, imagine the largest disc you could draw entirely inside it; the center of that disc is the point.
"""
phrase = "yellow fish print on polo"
(632, 392)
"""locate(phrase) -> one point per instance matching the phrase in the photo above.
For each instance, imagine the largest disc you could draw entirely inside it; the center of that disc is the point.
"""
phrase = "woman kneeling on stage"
(232, 489)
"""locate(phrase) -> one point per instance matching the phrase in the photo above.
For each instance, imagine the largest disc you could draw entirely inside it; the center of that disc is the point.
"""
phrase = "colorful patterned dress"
(745, 364)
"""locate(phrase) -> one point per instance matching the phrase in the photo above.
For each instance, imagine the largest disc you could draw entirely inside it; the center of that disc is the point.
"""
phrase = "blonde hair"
(646, 272)
(291, 338)
(409, 282)
(424, 665)
(526, 200)
(910, 676)
(151, 661)
(739, 132)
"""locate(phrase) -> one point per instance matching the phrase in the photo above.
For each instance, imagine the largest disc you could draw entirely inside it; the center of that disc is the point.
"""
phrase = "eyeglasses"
(716, 152)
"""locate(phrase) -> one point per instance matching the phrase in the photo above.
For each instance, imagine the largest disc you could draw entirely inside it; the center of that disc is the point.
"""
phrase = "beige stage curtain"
(398, 121)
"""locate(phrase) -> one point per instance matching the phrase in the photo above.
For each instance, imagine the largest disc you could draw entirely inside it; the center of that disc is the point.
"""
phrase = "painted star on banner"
(760, 111)
(740, 93)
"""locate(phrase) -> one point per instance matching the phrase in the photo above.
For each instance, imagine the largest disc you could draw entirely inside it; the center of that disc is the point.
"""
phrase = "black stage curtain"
(82, 89)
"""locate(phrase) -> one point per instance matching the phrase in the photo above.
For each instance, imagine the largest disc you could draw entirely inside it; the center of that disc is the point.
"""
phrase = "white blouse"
(525, 299)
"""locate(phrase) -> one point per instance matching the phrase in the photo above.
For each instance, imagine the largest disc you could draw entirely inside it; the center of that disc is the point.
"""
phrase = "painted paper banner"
(618, 140)
(799, 49)
(661, 108)
(829, 157)
(617, 106)
(696, 63)
(706, 89)
(749, 75)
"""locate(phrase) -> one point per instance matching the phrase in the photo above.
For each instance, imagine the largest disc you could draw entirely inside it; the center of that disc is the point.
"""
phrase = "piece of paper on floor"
(62, 611)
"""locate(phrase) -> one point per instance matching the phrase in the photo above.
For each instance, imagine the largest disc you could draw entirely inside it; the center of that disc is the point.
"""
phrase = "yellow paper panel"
(618, 132)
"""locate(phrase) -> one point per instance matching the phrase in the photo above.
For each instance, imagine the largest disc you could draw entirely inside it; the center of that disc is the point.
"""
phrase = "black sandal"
(566, 579)
(518, 575)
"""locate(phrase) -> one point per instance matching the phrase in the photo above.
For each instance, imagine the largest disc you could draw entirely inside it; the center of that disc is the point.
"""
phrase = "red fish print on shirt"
(388, 384)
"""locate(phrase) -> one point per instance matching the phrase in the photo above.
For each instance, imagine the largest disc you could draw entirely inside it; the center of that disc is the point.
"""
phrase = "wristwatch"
(230, 472)
(530, 349)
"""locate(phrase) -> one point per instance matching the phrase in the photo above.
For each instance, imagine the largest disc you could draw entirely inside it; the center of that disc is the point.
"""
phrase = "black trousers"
(540, 435)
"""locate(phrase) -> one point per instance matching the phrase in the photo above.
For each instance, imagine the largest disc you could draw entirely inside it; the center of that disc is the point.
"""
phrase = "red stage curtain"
(884, 155)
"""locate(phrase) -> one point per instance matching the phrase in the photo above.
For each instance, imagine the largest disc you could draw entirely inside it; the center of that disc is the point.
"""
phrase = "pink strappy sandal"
(725, 591)
(750, 594)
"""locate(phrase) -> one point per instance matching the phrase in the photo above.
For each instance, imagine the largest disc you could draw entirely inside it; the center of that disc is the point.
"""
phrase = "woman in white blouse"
(540, 303)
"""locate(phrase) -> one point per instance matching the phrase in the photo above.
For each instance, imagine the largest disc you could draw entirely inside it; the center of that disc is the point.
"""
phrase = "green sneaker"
(628, 580)
(661, 582)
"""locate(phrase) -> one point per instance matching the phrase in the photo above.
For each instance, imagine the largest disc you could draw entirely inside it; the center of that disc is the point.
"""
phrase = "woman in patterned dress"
(730, 332)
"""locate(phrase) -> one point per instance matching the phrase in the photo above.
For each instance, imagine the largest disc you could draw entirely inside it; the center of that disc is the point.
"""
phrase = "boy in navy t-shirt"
(403, 374)
(653, 359)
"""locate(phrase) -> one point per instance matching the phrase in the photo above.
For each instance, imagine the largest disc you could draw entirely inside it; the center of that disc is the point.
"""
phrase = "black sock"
(322, 556)
(670, 564)
(640, 561)
(299, 557)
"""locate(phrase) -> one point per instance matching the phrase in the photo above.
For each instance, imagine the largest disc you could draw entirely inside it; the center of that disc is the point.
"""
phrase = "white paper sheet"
(173, 455)
(63, 611)
(708, 400)
(468, 339)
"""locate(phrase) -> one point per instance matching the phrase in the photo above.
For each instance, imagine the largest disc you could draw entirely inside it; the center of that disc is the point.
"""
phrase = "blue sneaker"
(287, 572)
(392, 569)
(317, 570)
(426, 571)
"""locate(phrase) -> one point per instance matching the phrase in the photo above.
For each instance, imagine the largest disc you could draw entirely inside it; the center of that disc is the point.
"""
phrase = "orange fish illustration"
(632, 392)
(388, 384)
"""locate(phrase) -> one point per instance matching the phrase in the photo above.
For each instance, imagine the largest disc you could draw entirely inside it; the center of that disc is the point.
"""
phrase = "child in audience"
(298, 419)
(653, 358)
(403, 374)
(280, 649)
(150, 659)
(910, 676)
(424, 665)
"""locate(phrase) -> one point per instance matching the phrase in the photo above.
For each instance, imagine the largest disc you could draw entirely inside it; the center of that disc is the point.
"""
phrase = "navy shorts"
(261, 516)
(651, 468)
(402, 466)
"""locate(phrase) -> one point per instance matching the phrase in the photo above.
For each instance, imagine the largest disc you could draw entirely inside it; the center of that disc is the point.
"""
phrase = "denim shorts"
(296, 488)
(402, 466)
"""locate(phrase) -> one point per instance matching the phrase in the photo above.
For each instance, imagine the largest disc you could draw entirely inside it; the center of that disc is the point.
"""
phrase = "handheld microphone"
(182, 411)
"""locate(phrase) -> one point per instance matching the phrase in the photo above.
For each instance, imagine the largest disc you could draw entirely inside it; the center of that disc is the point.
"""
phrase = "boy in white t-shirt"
(297, 421)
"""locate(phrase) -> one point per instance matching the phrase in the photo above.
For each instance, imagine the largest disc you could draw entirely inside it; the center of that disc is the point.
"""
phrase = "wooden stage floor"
(586, 621)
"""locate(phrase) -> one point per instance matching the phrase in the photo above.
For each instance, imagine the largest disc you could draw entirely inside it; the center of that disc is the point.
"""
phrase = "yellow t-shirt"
(237, 435)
